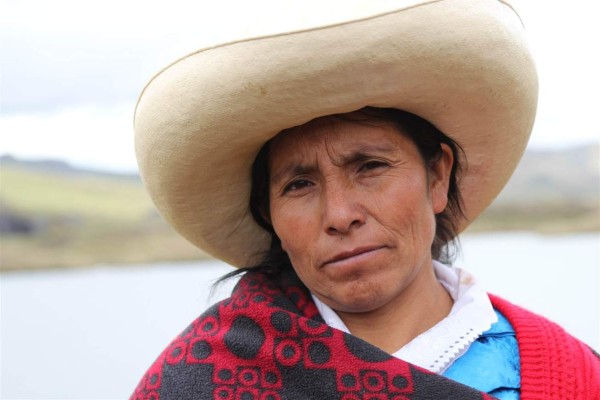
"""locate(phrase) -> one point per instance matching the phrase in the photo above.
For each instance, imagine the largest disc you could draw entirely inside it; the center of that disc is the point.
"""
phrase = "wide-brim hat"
(199, 123)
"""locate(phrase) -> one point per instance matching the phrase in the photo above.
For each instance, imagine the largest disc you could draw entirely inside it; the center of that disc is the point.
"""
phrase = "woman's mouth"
(352, 255)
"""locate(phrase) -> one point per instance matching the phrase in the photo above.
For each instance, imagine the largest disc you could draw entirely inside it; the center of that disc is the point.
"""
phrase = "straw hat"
(461, 64)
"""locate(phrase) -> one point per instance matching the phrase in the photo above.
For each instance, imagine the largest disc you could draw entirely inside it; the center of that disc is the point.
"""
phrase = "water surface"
(91, 334)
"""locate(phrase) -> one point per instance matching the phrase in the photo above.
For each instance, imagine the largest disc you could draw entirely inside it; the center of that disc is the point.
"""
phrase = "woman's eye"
(296, 185)
(371, 165)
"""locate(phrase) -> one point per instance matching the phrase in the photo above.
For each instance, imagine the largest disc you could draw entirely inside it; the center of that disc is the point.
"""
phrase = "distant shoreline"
(177, 250)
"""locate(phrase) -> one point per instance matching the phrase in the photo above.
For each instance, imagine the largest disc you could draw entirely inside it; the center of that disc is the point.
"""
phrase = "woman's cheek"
(291, 230)
(292, 220)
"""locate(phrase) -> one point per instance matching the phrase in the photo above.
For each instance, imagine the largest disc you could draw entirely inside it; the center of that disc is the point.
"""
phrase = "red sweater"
(554, 365)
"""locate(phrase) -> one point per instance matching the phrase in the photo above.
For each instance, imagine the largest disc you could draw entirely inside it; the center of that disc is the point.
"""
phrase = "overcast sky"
(72, 70)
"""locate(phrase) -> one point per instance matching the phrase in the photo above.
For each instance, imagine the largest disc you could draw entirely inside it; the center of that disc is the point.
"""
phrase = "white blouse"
(437, 348)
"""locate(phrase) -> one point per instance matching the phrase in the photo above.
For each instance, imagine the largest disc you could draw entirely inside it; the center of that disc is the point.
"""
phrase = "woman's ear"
(283, 247)
(439, 179)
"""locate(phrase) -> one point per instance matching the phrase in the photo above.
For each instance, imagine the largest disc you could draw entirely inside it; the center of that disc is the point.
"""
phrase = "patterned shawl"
(268, 342)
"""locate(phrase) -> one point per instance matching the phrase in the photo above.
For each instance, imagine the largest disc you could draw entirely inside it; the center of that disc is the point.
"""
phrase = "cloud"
(64, 54)
(85, 136)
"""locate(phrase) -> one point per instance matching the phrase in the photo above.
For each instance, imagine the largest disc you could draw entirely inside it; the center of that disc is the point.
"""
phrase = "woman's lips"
(351, 254)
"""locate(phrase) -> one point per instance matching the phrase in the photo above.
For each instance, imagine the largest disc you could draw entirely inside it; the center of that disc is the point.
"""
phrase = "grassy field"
(75, 219)
(544, 218)
(86, 195)
(82, 219)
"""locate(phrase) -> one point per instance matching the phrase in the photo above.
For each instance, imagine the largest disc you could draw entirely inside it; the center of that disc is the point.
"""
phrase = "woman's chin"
(357, 300)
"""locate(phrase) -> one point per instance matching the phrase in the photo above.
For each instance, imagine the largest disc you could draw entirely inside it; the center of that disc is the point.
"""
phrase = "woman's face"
(354, 207)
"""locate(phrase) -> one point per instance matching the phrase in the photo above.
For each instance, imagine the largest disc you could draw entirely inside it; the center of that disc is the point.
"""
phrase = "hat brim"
(462, 65)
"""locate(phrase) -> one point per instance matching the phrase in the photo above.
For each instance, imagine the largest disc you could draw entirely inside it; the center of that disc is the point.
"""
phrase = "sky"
(71, 71)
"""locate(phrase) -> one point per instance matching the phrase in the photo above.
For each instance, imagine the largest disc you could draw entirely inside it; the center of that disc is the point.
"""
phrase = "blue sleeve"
(492, 363)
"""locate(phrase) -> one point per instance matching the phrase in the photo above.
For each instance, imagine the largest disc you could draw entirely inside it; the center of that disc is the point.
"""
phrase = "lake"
(91, 334)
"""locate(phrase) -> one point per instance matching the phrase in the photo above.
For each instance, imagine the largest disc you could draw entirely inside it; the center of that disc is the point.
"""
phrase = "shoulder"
(554, 364)
(527, 323)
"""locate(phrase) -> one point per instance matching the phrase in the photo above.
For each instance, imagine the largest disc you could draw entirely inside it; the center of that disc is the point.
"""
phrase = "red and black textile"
(268, 342)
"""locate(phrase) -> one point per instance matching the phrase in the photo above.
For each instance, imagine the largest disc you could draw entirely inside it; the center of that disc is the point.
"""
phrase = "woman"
(327, 163)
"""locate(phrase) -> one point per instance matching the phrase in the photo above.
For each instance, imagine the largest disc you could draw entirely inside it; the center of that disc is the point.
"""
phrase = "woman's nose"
(342, 211)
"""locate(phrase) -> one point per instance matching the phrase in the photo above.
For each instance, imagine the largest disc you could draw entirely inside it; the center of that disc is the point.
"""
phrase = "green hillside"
(69, 218)
(550, 192)
(48, 194)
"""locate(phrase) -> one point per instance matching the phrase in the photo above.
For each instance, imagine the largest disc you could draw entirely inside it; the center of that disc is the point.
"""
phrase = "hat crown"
(461, 64)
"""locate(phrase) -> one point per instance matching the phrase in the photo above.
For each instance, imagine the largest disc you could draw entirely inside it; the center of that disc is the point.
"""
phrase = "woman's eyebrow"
(365, 151)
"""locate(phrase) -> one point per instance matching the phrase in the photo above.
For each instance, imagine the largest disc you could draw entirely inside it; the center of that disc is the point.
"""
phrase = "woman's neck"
(417, 309)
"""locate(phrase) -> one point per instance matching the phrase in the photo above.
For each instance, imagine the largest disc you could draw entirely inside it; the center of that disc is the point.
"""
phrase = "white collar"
(437, 348)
